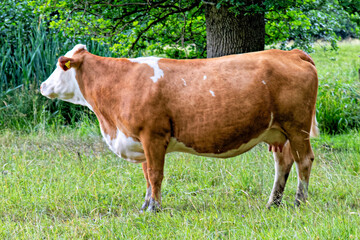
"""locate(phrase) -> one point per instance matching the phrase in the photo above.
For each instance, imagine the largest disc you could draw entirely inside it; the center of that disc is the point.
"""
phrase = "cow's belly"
(132, 151)
(270, 136)
(125, 147)
(176, 146)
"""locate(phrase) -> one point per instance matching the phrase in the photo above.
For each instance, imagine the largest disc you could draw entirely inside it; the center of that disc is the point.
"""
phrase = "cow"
(219, 107)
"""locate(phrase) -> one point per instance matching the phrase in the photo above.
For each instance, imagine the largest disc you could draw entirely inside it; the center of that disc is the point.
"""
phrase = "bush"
(338, 108)
(338, 104)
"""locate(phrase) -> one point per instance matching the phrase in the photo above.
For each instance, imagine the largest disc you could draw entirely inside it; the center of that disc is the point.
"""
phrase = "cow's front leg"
(155, 149)
(148, 188)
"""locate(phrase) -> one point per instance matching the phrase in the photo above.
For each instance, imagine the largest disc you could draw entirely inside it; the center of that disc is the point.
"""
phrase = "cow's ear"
(67, 63)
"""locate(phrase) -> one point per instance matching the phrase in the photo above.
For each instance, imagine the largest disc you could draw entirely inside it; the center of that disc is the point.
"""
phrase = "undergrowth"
(338, 104)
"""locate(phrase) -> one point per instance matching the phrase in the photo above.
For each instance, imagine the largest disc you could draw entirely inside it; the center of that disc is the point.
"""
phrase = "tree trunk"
(228, 33)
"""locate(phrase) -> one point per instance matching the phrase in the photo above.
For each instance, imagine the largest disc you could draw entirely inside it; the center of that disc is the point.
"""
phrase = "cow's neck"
(99, 82)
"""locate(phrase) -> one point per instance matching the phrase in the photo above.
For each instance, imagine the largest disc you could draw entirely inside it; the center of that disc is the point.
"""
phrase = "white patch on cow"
(205, 77)
(152, 62)
(77, 47)
(314, 132)
(212, 93)
(278, 172)
(63, 84)
(148, 194)
(125, 147)
(271, 120)
(184, 81)
(263, 82)
(279, 181)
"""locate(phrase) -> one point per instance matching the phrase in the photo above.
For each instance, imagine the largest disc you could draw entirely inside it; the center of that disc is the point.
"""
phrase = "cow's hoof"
(154, 206)
(298, 203)
(275, 204)
(145, 206)
(269, 205)
(299, 200)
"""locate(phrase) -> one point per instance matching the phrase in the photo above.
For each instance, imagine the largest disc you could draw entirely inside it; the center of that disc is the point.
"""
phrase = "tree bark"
(228, 33)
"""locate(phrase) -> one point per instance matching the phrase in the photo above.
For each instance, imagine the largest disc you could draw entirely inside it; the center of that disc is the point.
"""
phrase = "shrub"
(338, 108)
(338, 104)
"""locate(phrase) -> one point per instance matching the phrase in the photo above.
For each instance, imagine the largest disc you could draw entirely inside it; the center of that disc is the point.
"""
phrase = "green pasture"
(66, 184)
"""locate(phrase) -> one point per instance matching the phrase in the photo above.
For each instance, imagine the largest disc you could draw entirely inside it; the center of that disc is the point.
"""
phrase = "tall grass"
(338, 104)
(23, 67)
(34, 56)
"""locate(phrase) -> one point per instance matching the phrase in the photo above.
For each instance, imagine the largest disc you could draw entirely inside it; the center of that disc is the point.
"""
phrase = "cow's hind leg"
(283, 163)
(304, 157)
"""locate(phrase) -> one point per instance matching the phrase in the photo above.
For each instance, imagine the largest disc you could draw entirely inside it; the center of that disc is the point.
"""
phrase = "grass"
(68, 185)
(338, 104)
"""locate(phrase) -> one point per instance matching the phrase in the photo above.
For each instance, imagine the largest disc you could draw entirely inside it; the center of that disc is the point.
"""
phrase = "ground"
(67, 184)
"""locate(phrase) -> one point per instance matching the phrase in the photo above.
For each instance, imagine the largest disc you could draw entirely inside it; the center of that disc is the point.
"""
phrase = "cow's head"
(62, 83)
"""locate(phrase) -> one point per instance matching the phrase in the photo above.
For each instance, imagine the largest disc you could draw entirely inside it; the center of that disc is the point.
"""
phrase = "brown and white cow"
(218, 107)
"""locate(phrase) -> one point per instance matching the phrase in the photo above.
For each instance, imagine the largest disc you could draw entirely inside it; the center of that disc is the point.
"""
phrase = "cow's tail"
(314, 131)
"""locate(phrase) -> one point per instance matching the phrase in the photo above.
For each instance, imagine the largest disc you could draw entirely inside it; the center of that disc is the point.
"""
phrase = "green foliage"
(154, 27)
(305, 23)
(353, 8)
(17, 17)
(132, 29)
(338, 104)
